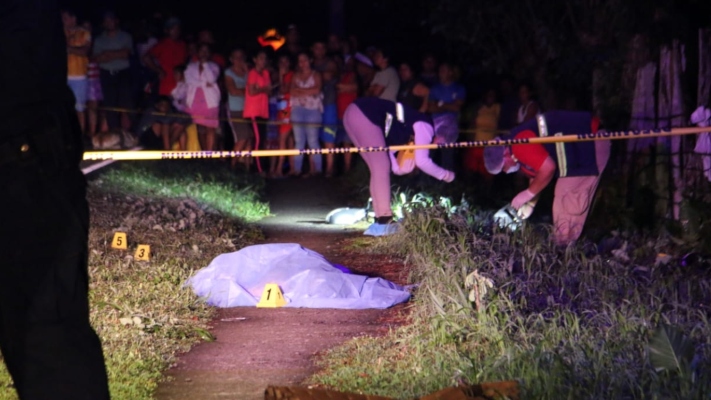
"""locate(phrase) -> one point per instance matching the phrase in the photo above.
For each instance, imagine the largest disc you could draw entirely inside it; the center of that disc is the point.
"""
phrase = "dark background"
(237, 23)
(552, 45)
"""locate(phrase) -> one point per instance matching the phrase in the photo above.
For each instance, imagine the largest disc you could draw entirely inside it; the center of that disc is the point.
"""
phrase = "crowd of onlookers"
(177, 92)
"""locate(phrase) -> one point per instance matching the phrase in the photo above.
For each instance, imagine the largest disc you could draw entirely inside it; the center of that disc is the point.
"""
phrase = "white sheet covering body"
(305, 277)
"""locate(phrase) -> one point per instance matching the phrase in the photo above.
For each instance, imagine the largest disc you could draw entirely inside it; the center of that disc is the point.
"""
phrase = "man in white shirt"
(386, 82)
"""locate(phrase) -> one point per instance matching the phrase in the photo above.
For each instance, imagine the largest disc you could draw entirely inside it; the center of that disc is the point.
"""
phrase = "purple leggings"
(364, 133)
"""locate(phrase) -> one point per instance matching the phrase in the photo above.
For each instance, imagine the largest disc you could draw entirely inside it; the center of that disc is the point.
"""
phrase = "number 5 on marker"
(119, 241)
(143, 253)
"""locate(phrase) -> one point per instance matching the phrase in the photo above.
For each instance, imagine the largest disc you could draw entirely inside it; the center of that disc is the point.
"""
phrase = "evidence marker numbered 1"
(272, 297)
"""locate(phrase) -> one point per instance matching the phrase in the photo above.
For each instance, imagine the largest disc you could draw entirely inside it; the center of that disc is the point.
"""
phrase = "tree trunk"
(671, 114)
(698, 170)
(703, 97)
(640, 171)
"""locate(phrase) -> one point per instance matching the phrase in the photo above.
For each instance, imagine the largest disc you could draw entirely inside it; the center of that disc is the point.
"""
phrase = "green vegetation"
(627, 319)
(141, 311)
(209, 184)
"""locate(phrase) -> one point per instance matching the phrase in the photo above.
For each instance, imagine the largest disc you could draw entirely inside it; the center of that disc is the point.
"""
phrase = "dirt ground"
(254, 347)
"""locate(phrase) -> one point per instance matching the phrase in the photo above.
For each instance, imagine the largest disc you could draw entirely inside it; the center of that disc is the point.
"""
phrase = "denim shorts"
(80, 88)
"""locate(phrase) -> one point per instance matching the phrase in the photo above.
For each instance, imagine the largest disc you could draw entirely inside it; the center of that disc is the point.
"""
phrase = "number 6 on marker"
(143, 253)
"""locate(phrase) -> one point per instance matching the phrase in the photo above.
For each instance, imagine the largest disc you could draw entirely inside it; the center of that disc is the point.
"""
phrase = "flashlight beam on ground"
(582, 137)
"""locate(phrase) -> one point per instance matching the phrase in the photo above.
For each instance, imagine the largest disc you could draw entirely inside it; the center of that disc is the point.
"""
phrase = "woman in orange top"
(256, 98)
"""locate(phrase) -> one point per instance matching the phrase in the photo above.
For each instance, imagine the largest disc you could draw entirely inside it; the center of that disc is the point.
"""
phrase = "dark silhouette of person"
(46, 339)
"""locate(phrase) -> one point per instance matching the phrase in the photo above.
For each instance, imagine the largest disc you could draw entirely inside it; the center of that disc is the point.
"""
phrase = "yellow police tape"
(583, 137)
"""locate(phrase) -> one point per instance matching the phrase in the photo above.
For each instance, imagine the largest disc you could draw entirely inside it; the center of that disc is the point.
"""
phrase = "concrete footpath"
(254, 347)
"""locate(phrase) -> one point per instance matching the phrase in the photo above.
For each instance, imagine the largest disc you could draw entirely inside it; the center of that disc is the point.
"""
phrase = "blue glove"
(377, 229)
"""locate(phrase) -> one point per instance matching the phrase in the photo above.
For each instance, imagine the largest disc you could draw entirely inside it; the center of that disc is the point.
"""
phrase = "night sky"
(373, 23)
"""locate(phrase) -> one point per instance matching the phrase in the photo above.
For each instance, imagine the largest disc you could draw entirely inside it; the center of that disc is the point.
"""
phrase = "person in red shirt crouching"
(578, 166)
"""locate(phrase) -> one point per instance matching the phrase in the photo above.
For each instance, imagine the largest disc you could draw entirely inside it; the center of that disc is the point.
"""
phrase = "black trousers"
(116, 87)
(46, 340)
(262, 131)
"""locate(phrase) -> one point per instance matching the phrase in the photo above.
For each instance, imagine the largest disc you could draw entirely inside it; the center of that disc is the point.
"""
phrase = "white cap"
(364, 59)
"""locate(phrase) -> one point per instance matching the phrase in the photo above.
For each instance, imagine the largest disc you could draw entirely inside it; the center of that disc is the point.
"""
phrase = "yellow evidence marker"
(119, 241)
(143, 253)
(271, 297)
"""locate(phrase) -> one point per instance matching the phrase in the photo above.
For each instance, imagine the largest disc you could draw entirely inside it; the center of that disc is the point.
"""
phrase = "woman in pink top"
(256, 98)
(203, 98)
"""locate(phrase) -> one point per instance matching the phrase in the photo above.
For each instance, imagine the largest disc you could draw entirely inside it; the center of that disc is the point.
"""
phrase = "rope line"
(249, 121)
(583, 137)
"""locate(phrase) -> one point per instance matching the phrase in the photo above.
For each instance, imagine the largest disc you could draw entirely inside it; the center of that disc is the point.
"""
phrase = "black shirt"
(406, 95)
(33, 61)
(396, 120)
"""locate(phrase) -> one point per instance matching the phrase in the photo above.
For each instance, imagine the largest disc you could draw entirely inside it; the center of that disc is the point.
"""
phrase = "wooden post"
(704, 87)
(672, 113)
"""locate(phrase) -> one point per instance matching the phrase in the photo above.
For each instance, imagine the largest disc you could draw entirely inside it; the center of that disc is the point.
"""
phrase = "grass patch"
(140, 310)
(210, 184)
(576, 322)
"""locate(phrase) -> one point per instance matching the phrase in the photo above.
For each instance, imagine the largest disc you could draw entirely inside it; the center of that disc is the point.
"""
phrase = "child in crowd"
(179, 96)
(286, 140)
(180, 92)
(256, 99)
(236, 82)
(94, 94)
(160, 128)
(330, 112)
(272, 127)
(347, 89)
(203, 99)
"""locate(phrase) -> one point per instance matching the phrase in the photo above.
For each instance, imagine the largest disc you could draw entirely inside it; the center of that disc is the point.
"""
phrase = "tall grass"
(572, 322)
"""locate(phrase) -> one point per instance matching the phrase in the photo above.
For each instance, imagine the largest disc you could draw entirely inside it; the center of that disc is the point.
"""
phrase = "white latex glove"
(522, 198)
(448, 176)
(526, 210)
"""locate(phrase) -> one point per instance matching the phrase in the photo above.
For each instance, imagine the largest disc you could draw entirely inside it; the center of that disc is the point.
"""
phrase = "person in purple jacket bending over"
(374, 122)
